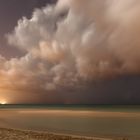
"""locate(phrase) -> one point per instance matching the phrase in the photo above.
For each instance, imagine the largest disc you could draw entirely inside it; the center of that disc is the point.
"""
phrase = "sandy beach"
(12, 134)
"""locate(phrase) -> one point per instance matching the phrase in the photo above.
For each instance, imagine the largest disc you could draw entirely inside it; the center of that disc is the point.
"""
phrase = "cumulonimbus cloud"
(74, 41)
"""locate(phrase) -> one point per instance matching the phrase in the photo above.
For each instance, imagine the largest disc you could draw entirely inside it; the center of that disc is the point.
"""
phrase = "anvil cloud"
(73, 42)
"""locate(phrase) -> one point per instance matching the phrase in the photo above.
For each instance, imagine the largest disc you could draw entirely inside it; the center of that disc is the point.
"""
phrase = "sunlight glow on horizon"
(3, 102)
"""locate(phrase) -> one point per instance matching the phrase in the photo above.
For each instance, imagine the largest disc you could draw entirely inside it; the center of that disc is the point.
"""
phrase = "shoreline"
(17, 134)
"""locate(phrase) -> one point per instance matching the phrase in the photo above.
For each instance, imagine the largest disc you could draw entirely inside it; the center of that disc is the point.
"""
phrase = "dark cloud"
(77, 52)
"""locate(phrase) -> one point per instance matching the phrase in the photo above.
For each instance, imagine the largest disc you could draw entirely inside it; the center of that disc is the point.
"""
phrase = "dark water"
(74, 119)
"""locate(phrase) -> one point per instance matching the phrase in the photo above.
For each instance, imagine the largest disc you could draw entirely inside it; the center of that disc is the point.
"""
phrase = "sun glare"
(3, 102)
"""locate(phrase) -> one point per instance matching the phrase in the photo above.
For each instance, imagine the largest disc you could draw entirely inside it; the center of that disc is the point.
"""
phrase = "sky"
(70, 51)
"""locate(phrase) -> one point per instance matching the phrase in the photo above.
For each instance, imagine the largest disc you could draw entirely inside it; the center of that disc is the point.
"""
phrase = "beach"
(69, 123)
(13, 134)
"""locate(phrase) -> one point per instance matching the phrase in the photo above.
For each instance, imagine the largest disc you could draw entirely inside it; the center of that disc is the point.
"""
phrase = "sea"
(81, 120)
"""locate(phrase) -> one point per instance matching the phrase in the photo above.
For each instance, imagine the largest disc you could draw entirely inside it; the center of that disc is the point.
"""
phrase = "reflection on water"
(81, 122)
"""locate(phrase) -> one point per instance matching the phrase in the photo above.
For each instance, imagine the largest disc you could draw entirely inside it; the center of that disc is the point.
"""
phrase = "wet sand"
(15, 134)
(12, 134)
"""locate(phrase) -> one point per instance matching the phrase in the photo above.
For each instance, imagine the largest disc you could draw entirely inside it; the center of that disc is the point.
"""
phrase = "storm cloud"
(72, 43)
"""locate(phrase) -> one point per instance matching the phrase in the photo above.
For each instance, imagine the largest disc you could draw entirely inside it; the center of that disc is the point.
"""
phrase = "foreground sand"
(12, 134)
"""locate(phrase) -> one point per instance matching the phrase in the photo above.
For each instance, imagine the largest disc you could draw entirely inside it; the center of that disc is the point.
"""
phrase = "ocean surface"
(83, 120)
